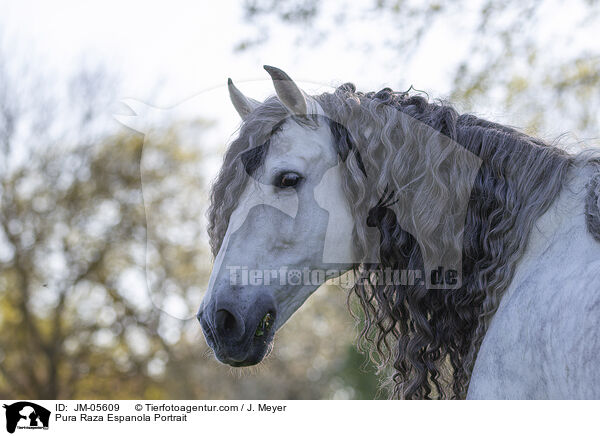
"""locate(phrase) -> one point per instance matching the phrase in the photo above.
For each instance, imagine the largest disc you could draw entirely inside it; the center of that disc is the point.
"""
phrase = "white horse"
(474, 247)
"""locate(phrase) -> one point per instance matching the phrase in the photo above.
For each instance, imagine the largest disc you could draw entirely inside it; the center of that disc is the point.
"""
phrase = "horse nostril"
(228, 324)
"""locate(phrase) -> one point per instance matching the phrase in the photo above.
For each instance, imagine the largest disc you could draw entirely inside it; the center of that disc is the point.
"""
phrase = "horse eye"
(287, 180)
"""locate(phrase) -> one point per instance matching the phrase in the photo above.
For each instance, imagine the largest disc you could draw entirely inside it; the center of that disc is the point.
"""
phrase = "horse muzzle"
(239, 334)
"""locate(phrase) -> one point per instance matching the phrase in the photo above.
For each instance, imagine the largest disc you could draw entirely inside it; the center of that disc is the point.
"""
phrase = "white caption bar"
(264, 418)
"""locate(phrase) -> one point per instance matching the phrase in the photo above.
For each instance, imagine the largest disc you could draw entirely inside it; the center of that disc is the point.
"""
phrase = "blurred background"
(98, 282)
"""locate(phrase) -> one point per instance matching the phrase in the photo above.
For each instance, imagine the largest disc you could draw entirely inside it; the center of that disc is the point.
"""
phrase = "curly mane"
(429, 337)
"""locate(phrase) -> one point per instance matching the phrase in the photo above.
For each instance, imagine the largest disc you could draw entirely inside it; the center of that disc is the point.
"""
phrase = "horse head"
(287, 167)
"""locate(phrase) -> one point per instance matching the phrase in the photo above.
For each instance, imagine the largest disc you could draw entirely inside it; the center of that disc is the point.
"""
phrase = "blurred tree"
(72, 222)
(533, 63)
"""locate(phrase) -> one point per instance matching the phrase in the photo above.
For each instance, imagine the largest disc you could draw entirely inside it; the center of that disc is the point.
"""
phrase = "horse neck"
(520, 178)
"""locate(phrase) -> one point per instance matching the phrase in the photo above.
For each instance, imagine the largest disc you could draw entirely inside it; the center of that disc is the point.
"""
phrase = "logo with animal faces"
(25, 415)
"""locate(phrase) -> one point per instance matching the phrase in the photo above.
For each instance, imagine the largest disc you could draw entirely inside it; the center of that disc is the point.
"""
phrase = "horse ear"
(287, 91)
(243, 105)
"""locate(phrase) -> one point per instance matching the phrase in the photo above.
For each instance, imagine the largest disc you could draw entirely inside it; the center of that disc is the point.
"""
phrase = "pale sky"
(188, 46)
(184, 48)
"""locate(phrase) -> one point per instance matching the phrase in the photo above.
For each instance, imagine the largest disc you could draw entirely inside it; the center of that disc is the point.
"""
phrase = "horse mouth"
(255, 360)
(259, 348)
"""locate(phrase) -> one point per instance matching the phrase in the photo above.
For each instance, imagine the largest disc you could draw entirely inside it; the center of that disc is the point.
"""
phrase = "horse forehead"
(302, 142)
